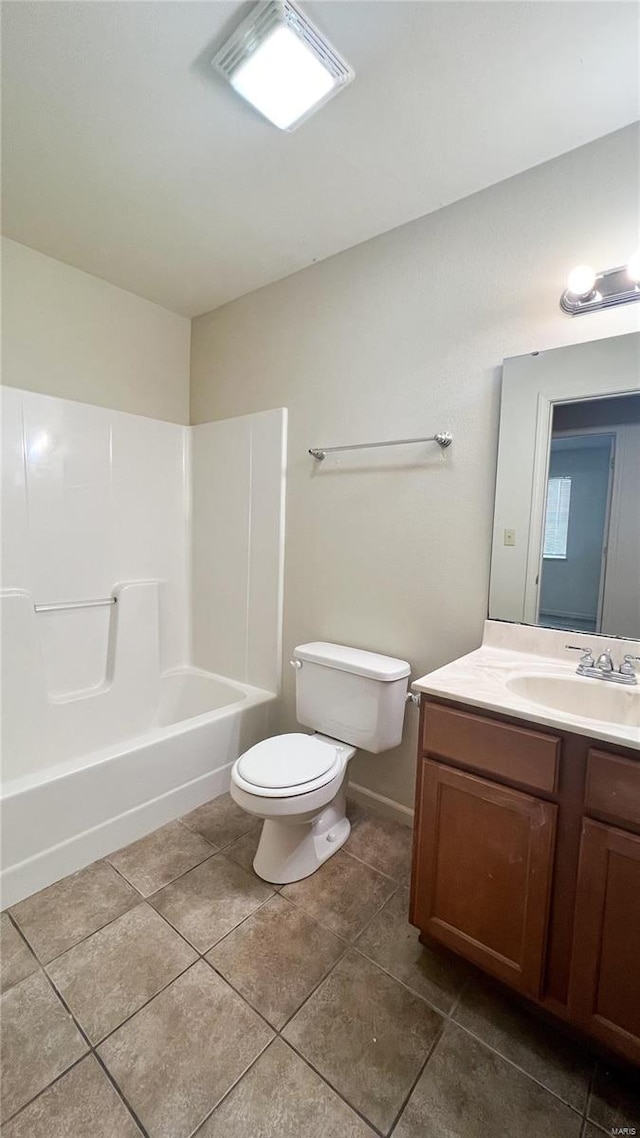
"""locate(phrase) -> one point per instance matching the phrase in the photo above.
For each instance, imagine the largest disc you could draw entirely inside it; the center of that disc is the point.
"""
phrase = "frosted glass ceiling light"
(281, 64)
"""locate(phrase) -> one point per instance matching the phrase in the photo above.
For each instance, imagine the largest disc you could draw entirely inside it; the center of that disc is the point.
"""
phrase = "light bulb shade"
(281, 64)
(581, 281)
(633, 268)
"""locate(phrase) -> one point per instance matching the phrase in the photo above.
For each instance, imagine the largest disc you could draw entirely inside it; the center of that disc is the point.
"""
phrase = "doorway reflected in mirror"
(592, 517)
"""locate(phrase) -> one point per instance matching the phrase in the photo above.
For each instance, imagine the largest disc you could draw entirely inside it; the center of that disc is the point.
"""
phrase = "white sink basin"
(579, 695)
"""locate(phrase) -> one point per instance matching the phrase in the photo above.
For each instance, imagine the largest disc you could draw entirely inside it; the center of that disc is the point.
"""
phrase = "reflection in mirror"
(591, 520)
(566, 541)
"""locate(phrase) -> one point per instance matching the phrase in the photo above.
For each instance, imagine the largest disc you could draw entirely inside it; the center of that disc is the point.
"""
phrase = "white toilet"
(298, 782)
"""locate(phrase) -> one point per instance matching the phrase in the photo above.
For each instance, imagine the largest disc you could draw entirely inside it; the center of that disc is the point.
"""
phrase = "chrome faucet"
(604, 661)
(603, 668)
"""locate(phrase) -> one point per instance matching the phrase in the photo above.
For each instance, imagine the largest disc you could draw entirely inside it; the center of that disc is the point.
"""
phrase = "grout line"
(438, 1036)
(229, 932)
(100, 1061)
(348, 946)
(66, 1007)
(229, 984)
(104, 1038)
(592, 1080)
(23, 937)
(368, 864)
(327, 1081)
(512, 1063)
(194, 1133)
(449, 1017)
(407, 987)
(58, 1078)
(145, 896)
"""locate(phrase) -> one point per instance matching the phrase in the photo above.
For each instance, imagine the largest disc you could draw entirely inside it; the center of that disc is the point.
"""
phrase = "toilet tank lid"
(355, 660)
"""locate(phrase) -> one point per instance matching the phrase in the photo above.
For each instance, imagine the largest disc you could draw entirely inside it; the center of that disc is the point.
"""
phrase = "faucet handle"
(627, 667)
(586, 660)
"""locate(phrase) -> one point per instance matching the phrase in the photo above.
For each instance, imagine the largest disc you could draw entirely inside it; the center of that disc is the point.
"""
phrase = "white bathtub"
(65, 816)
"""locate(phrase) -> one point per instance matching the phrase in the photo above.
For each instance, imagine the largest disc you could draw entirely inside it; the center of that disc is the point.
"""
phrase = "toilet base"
(291, 850)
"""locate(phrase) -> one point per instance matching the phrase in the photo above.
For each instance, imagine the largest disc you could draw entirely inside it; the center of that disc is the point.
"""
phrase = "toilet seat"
(288, 765)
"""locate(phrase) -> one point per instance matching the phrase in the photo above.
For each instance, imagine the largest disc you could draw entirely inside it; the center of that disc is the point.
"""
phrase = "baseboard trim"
(384, 805)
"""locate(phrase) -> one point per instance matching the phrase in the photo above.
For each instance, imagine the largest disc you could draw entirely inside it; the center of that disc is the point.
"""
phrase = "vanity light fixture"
(282, 64)
(588, 290)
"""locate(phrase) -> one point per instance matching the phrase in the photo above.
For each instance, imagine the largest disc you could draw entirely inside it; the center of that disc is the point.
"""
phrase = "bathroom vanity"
(527, 828)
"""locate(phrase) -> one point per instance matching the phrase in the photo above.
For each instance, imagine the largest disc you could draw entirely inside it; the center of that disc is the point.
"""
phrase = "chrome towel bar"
(76, 605)
(443, 439)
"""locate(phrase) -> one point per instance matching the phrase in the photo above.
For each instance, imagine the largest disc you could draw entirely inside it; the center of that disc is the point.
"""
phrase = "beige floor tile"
(615, 1098)
(16, 961)
(209, 901)
(220, 821)
(39, 1041)
(393, 943)
(177, 1057)
(542, 1051)
(82, 1104)
(114, 972)
(367, 1035)
(281, 1097)
(382, 843)
(343, 894)
(63, 914)
(162, 856)
(276, 958)
(467, 1091)
(243, 851)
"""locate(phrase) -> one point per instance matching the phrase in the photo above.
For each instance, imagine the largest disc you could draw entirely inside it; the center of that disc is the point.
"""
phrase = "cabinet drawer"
(613, 787)
(513, 753)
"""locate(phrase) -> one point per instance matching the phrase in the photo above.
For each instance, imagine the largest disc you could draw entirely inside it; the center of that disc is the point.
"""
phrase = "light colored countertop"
(514, 658)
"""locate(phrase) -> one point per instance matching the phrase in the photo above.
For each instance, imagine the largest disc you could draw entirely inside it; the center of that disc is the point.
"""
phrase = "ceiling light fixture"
(281, 64)
(588, 291)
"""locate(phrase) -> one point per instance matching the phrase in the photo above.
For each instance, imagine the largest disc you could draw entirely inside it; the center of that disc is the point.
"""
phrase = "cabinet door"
(604, 991)
(482, 872)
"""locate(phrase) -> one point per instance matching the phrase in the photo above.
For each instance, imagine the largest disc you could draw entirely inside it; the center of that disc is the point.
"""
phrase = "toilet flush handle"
(296, 663)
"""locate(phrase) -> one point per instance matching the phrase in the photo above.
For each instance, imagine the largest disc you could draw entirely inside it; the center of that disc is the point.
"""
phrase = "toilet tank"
(355, 696)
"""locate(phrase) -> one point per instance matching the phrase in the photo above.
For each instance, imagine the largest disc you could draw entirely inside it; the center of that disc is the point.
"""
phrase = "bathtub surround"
(92, 499)
(238, 479)
(107, 729)
(399, 337)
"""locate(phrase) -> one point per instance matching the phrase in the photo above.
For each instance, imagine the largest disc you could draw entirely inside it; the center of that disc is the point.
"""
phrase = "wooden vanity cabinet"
(485, 864)
(604, 992)
(527, 863)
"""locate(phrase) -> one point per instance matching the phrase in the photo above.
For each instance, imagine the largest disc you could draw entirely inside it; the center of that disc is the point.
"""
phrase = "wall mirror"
(566, 536)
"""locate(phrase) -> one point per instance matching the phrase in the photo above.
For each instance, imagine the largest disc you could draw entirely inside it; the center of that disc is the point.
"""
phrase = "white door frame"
(610, 433)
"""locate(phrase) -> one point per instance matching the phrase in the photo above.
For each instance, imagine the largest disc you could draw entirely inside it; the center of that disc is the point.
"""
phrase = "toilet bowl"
(297, 782)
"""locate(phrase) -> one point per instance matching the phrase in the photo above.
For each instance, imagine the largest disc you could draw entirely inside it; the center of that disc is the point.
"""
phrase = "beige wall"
(402, 336)
(69, 334)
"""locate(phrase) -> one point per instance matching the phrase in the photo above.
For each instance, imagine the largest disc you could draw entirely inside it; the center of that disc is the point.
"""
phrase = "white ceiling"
(125, 155)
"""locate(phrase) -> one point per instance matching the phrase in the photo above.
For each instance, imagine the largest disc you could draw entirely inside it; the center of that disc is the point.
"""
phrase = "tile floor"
(166, 991)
